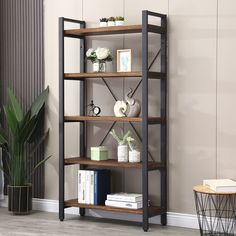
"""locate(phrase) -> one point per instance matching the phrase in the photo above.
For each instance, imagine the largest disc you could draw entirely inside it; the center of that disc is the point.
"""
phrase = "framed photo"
(124, 58)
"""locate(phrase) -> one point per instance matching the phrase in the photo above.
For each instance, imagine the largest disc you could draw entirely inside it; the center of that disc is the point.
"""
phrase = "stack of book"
(125, 200)
(220, 185)
(93, 186)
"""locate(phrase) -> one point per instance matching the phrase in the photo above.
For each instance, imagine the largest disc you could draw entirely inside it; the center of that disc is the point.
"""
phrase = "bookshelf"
(146, 165)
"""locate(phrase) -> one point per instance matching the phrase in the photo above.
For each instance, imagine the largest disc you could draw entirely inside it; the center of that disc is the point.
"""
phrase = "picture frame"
(124, 60)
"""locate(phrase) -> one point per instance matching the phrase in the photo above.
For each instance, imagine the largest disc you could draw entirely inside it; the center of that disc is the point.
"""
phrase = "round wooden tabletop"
(205, 189)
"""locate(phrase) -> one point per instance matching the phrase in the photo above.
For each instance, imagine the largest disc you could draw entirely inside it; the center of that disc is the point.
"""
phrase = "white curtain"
(1, 178)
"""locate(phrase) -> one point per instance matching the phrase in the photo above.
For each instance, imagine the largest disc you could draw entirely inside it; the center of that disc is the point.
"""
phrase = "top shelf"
(124, 29)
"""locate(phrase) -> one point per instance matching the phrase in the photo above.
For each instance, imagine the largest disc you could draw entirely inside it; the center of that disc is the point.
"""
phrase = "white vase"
(103, 24)
(134, 156)
(111, 23)
(99, 67)
(119, 22)
(123, 153)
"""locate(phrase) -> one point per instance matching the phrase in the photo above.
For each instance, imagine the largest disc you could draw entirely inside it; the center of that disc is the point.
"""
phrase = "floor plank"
(42, 223)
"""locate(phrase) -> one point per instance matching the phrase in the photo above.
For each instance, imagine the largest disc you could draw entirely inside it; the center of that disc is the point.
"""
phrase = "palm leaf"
(39, 142)
(14, 105)
(11, 120)
(39, 102)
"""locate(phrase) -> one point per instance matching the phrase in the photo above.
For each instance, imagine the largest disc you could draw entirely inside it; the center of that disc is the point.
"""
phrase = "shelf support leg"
(164, 124)
(61, 119)
(145, 119)
(82, 106)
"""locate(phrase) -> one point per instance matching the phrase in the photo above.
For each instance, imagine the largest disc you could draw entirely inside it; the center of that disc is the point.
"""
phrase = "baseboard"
(173, 219)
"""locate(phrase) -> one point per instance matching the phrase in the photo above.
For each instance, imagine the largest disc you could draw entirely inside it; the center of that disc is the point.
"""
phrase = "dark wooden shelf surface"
(152, 120)
(72, 76)
(124, 29)
(112, 163)
(153, 210)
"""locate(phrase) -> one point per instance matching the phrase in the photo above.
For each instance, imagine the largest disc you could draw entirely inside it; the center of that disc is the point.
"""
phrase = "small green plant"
(120, 18)
(24, 129)
(122, 138)
(111, 18)
(103, 20)
(131, 142)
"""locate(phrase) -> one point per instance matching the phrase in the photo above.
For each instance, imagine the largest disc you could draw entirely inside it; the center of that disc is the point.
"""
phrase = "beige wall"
(202, 112)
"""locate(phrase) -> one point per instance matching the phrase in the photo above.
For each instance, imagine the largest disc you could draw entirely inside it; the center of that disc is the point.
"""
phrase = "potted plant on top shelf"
(120, 20)
(111, 21)
(25, 132)
(103, 22)
(99, 57)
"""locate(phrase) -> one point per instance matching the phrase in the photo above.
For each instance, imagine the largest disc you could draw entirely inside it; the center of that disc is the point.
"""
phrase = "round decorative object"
(122, 153)
(120, 108)
(96, 110)
(134, 107)
(93, 110)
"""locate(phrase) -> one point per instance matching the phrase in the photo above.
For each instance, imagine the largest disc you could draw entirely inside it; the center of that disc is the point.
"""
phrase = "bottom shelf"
(153, 210)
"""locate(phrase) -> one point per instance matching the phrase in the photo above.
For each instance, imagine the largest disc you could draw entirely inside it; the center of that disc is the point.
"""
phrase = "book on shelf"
(125, 197)
(122, 204)
(220, 185)
(93, 186)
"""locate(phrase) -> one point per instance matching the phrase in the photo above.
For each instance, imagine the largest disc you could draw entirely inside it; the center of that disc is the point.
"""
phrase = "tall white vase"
(123, 153)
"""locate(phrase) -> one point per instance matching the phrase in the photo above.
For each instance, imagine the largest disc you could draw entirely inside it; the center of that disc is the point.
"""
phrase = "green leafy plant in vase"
(120, 20)
(25, 131)
(134, 154)
(122, 149)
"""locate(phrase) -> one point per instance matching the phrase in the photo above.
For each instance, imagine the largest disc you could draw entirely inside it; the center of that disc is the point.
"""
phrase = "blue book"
(102, 186)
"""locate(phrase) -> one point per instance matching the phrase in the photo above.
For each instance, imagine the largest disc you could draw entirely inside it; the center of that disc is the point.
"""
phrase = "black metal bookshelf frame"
(146, 75)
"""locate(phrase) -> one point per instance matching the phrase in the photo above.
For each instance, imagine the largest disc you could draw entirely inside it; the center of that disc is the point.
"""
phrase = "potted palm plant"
(25, 130)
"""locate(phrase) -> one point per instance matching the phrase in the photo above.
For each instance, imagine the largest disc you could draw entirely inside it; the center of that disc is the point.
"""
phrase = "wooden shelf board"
(124, 29)
(72, 76)
(110, 118)
(153, 210)
(111, 163)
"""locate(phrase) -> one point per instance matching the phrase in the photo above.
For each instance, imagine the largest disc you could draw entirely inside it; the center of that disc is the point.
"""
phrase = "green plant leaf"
(11, 120)
(14, 105)
(27, 129)
(3, 139)
(39, 142)
(39, 102)
(41, 162)
(38, 130)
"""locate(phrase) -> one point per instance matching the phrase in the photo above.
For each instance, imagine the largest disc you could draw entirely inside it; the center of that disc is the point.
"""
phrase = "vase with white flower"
(134, 154)
(99, 57)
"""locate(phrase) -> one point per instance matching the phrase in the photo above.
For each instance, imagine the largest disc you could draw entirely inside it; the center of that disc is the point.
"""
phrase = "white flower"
(102, 53)
(89, 52)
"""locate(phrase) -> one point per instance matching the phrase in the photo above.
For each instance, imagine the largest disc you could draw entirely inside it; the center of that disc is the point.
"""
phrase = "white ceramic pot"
(111, 23)
(123, 153)
(119, 22)
(103, 24)
(134, 156)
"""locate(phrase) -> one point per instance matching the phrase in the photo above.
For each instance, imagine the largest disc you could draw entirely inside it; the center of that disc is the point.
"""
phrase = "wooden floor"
(41, 223)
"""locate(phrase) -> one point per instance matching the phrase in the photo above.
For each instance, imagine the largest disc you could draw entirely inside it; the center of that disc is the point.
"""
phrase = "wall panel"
(226, 96)
(192, 99)
(22, 59)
